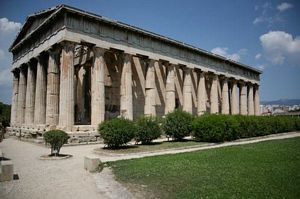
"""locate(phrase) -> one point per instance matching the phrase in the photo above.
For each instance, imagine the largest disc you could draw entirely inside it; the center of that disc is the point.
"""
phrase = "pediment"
(31, 23)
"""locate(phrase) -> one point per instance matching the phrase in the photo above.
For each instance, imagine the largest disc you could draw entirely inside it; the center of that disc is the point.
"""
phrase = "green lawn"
(154, 146)
(268, 169)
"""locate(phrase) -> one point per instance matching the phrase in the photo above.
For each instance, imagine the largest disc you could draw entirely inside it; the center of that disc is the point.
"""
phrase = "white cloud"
(7, 26)
(5, 77)
(258, 56)
(267, 14)
(2, 54)
(284, 6)
(280, 46)
(224, 52)
(260, 66)
(8, 30)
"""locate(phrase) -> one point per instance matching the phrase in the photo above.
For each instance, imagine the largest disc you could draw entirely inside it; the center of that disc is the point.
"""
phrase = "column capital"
(23, 67)
(187, 69)
(16, 71)
(98, 51)
(54, 50)
(202, 74)
(68, 45)
(126, 57)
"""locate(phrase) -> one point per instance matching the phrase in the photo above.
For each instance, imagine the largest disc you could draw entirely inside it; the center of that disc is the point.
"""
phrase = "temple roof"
(37, 20)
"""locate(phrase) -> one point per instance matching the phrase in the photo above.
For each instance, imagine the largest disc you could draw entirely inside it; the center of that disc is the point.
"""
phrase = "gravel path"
(67, 179)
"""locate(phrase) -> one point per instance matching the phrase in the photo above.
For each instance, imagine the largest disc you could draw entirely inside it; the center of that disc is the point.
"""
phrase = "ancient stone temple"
(73, 69)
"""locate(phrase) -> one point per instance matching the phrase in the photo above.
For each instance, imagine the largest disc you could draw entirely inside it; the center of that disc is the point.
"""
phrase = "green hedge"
(147, 129)
(117, 132)
(178, 124)
(219, 128)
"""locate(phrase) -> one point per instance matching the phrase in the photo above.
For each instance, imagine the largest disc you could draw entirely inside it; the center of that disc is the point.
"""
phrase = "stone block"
(7, 171)
(92, 164)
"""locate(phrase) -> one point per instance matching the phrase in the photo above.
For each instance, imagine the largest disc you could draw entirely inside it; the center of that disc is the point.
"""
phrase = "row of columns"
(43, 92)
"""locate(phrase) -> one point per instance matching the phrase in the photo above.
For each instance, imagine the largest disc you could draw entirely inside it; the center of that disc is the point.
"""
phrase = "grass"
(268, 169)
(154, 146)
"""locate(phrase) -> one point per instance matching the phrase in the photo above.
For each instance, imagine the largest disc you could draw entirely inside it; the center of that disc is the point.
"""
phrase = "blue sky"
(262, 34)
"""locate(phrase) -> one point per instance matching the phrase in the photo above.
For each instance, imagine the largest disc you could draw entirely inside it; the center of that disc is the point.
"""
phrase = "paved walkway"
(67, 179)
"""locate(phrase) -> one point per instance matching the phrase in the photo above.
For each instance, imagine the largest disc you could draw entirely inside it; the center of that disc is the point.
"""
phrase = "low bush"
(219, 128)
(178, 124)
(117, 132)
(56, 139)
(147, 129)
(215, 128)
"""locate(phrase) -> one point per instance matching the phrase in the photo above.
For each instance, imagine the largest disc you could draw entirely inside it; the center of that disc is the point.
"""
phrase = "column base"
(80, 134)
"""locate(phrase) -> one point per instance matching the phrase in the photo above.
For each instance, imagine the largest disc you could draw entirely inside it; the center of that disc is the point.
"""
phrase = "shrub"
(117, 132)
(147, 129)
(215, 128)
(56, 139)
(178, 124)
(218, 128)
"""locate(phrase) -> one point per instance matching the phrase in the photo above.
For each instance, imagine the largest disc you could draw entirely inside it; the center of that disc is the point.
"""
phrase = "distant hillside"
(288, 102)
(4, 114)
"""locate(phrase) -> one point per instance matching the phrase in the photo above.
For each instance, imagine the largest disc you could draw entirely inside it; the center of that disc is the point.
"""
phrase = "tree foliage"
(56, 139)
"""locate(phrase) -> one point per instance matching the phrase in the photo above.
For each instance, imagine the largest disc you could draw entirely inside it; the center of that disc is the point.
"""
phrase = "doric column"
(52, 106)
(66, 92)
(243, 98)
(170, 89)
(126, 88)
(30, 94)
(256, 101)
(22, 95)
(40, 92)
(150, 90)
(187, 91)
(202, 96)
(234, 99)
(14, 100)
(225, 97)
(250, 100)
(97, 87)
(214, 106)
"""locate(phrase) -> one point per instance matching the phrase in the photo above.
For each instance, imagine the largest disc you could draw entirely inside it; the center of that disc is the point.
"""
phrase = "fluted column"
(97, 87)
(256, 101)
(214, 106)
(225, 97)
(30, 94)
(202, 96)
(250, 100)
(126, 88)
(66, 92)
(187, 91)
(243, 98)
(14, 100)
(170, 89)
(22, 95)
(52, 106)
(40, 92)
(150, 90)
(234, 99)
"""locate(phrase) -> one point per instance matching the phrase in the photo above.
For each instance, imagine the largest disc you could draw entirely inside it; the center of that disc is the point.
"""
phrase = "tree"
(56, 139)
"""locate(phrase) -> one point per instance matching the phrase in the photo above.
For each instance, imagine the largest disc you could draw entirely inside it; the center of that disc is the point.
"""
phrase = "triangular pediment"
(32, 22)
